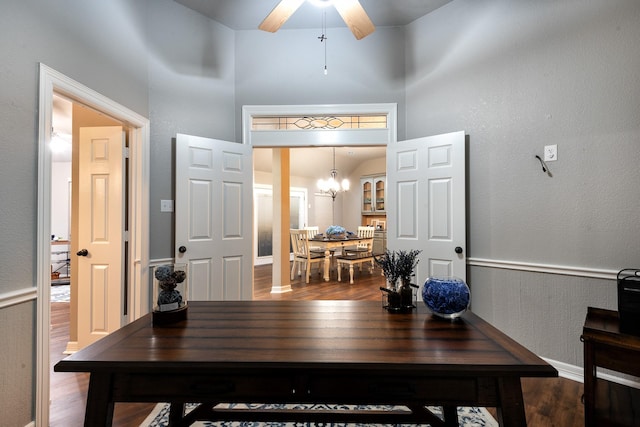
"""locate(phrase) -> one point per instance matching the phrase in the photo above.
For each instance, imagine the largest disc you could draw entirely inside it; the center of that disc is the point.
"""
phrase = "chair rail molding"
(544, 268)
(19, 296)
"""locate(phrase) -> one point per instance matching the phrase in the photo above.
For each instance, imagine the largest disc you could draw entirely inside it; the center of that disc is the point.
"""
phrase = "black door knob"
(458, 250)
(182, 249)
(82, 252)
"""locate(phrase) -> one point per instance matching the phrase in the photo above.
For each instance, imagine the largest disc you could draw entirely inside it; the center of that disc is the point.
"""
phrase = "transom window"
(375, 121)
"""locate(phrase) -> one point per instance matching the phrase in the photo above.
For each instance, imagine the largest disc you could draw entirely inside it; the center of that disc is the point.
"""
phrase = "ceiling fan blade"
(355, 17)
(279, 15)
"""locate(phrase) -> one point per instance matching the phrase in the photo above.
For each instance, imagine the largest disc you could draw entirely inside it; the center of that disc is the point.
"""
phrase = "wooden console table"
(607, 403)
(340, 352)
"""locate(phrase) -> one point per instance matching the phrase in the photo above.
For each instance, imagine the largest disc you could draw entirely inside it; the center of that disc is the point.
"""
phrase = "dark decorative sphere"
(446, 297)
(169, 297)
(163, 272)
(179, 276)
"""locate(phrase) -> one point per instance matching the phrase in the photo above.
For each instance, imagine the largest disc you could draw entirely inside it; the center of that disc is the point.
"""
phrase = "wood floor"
(549, 402)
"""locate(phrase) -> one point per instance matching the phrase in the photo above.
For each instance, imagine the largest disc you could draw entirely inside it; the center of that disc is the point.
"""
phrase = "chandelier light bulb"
(332, 186)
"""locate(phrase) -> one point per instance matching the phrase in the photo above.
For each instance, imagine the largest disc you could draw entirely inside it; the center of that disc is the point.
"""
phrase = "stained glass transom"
(319, 122)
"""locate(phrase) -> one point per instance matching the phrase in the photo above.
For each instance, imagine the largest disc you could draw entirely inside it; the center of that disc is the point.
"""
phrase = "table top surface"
(358, 336)
(346, 238)
(604, 325)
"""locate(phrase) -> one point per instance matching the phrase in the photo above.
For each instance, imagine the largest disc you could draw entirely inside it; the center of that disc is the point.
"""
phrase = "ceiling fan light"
(321, 3)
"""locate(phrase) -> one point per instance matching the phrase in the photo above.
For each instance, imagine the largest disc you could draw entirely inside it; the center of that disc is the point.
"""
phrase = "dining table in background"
(328, 244)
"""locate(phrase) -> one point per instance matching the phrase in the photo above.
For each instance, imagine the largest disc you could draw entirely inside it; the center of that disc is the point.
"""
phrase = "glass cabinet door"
(367, 195)
(379, 186)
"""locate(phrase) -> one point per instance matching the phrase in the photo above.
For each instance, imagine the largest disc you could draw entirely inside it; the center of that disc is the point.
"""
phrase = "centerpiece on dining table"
(336, 232)
(169, 294)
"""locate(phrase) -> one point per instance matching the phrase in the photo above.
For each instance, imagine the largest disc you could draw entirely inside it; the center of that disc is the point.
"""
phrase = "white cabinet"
(372, 193)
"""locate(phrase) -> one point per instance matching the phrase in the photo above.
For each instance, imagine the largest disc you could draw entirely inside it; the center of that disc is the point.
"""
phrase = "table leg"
(99, 410)
(450, 414)
(327, 264)
(511, 405)
(176, 412)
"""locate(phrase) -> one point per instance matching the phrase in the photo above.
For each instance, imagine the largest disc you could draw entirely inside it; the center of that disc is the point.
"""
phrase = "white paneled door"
(213, 217)
(426, 209)
(101, 232)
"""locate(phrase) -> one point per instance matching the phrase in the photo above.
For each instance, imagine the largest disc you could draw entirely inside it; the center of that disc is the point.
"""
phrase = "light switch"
(166, 205)
(550, 153)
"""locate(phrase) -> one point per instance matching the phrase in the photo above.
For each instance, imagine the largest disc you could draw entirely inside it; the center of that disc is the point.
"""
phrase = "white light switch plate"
(166, 205)
(550, 153)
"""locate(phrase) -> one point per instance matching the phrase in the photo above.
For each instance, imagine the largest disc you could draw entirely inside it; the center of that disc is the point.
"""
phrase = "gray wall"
(160, 60)
(287, 68)
(191, 81)
(517, 75)
(112, 62)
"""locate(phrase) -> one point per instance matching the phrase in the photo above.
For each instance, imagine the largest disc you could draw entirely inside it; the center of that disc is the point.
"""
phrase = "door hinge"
(126, 152)
(126, 236)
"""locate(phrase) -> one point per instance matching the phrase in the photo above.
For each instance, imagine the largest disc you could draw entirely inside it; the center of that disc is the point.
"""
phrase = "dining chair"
(302, 255)
(361, 257)
(364, 232)
(313, 231)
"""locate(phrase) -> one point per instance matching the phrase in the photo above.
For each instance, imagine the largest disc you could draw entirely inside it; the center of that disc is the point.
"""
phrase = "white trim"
(576, 373)
(19, 296)
(544, 268)
(51, 81)
(565, 370)
(322, 137)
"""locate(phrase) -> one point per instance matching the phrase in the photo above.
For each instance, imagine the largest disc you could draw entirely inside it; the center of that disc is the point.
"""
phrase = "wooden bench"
(351, 260)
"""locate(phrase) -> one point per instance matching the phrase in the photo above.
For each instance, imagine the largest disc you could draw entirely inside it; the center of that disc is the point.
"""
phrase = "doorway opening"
(263, 219)
(53, 83)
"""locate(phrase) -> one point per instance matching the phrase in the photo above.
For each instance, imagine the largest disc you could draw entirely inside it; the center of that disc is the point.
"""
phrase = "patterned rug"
(467, 416)
(60, 293)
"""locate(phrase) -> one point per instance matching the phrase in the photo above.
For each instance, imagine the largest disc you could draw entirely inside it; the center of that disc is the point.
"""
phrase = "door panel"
(100, 232)
(214, 192)
(426, 210)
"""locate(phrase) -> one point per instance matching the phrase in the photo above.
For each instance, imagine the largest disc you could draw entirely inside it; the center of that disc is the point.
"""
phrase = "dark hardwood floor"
(549, 402)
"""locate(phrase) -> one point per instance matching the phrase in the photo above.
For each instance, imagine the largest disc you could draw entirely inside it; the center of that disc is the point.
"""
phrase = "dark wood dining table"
(337, 352)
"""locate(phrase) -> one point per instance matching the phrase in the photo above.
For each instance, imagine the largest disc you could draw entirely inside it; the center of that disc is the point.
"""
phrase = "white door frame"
(52, 81)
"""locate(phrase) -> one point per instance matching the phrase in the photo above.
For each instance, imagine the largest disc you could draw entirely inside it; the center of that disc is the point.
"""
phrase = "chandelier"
(332, 186)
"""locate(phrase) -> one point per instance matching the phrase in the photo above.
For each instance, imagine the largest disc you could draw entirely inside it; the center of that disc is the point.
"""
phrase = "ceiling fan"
(351, 12)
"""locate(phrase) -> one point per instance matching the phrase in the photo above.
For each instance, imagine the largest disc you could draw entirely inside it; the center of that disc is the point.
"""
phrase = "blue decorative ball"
(446, 297)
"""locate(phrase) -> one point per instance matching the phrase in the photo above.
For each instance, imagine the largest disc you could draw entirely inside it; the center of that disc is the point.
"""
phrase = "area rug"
(60, 293)
(467, 416)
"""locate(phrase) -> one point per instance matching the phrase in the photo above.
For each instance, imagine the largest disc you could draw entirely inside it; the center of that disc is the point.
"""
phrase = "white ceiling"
(247, 14)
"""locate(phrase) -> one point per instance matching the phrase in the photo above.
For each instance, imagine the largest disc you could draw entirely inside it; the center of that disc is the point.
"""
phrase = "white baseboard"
(576, 373)
(72, 347)
(571, 372)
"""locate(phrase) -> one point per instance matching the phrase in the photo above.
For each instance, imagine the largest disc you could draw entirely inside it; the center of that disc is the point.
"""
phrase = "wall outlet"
(166, 205)
(550, 153)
